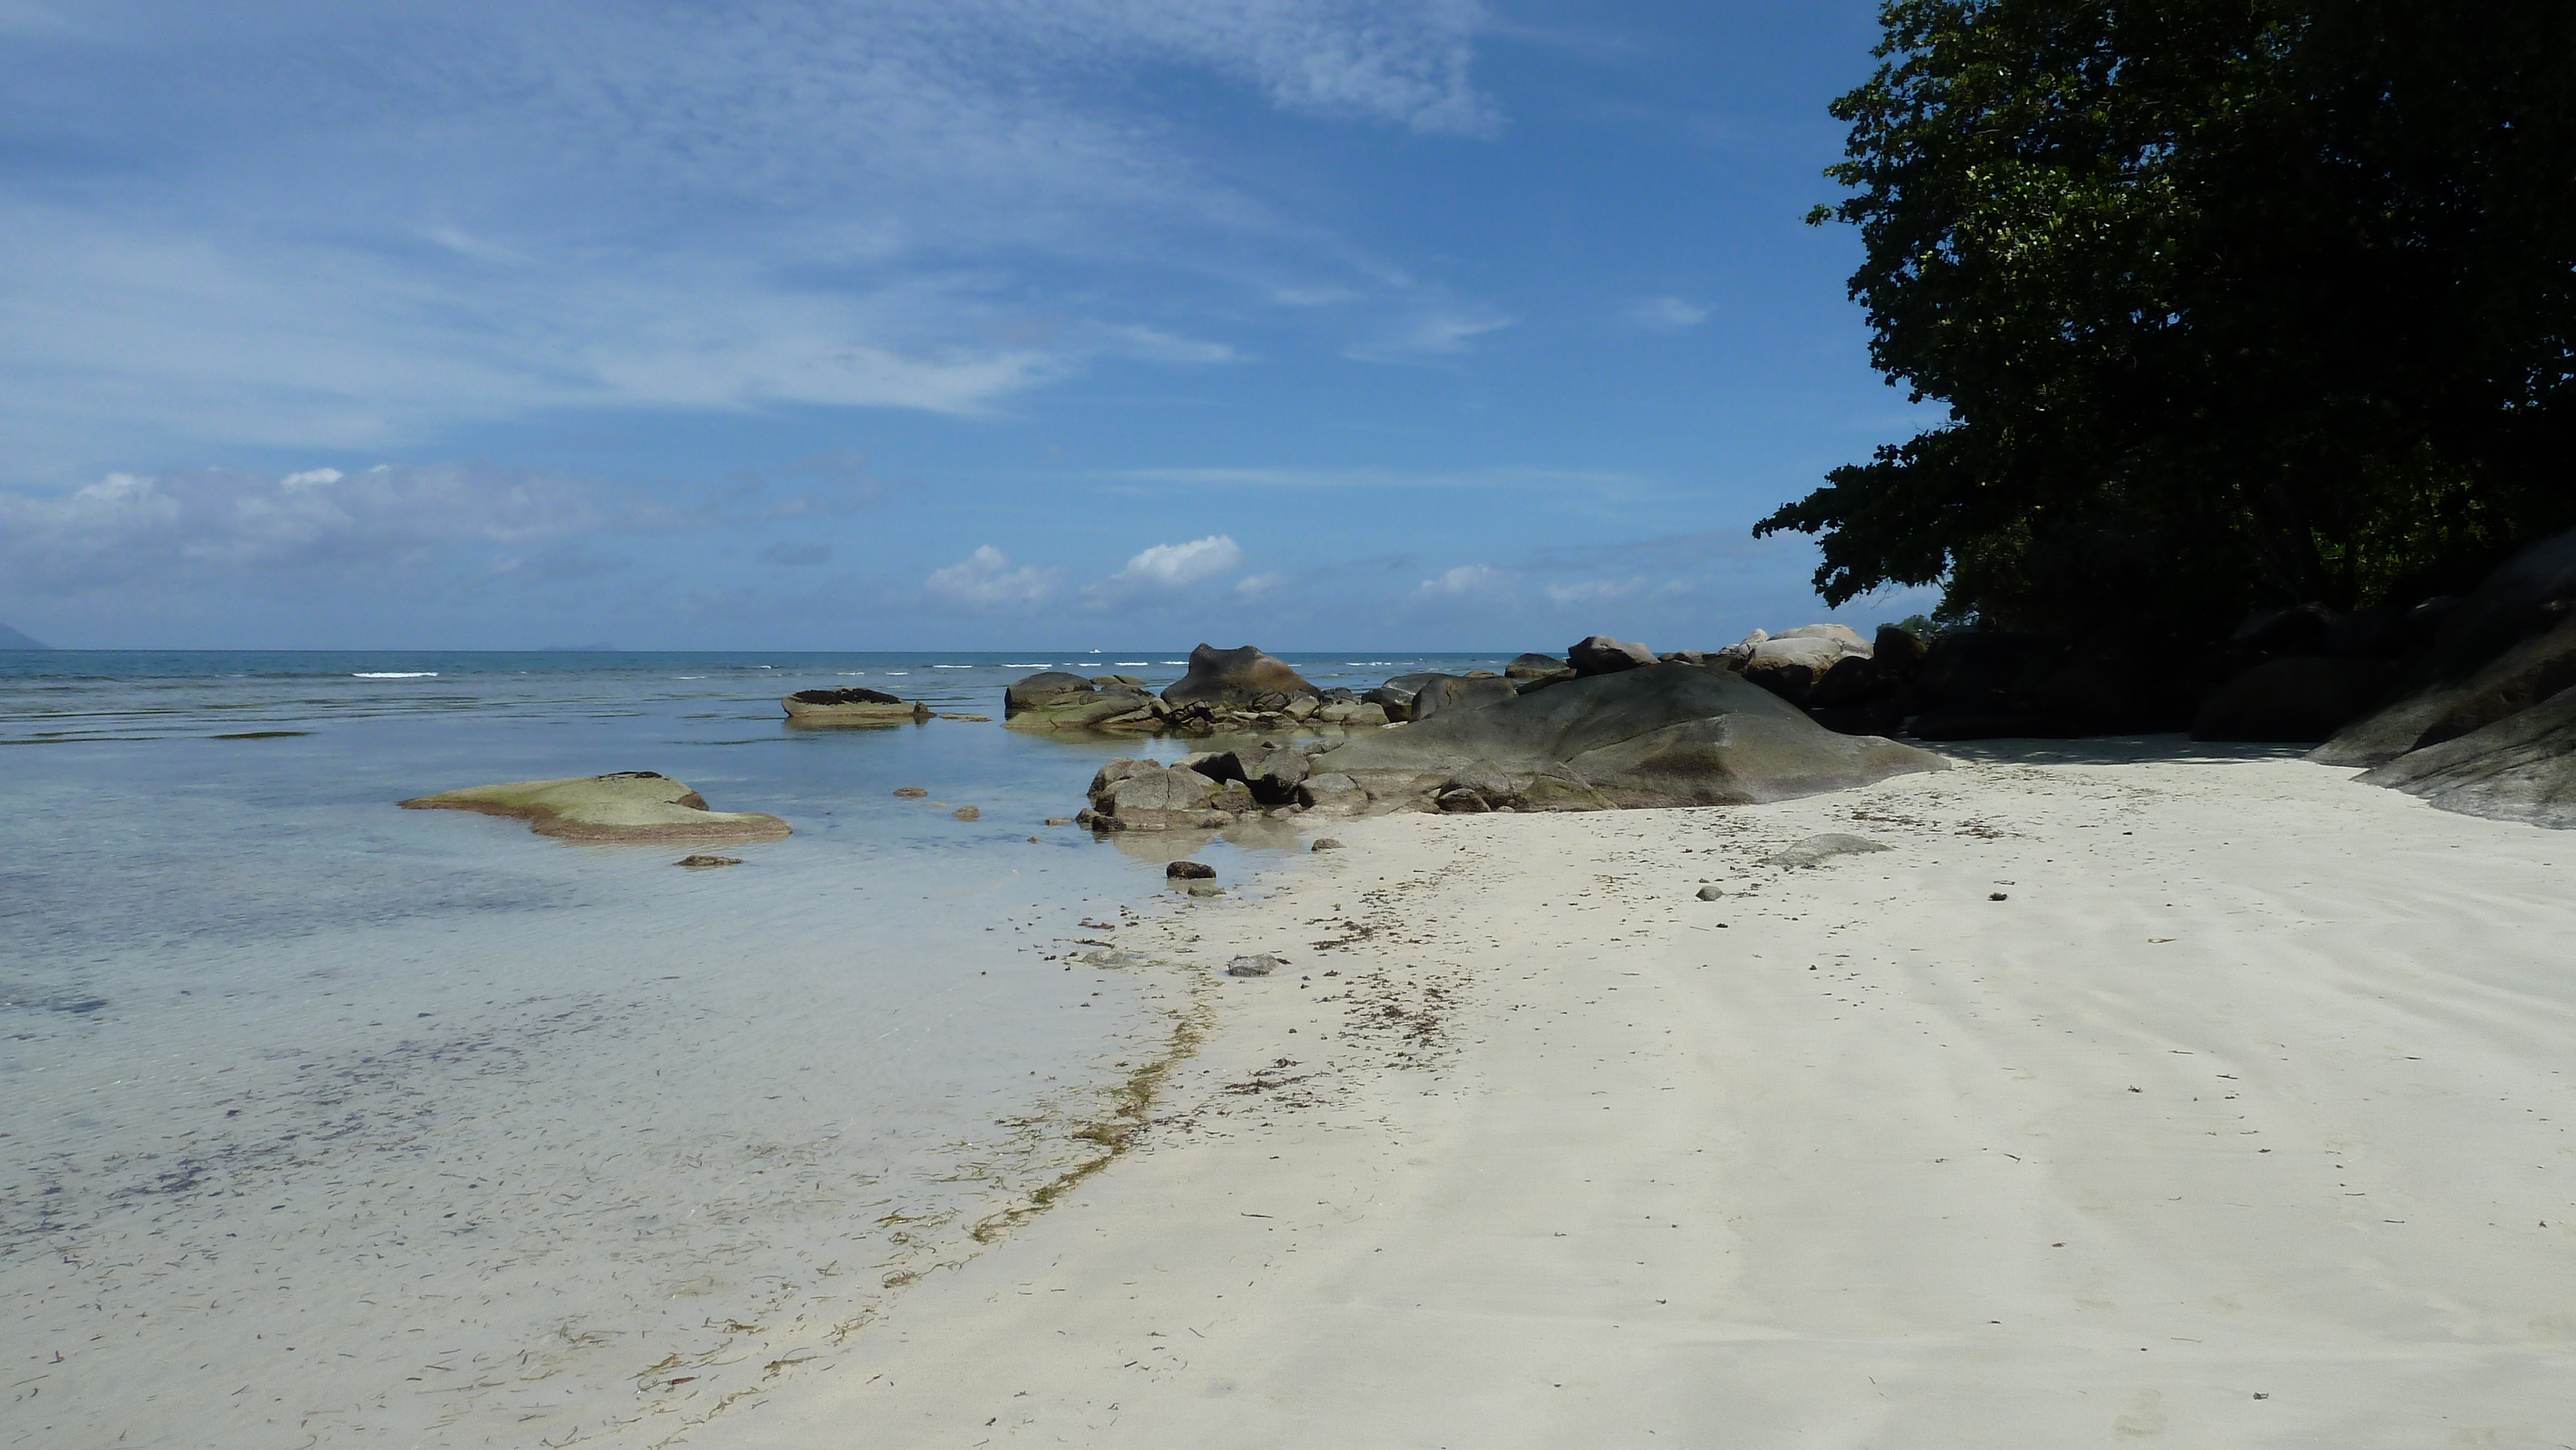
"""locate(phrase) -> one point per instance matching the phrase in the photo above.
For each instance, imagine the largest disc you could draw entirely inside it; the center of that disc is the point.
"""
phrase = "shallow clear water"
(384, 1126)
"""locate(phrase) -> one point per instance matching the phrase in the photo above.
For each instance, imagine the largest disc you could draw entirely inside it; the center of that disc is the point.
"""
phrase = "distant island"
(12, 639)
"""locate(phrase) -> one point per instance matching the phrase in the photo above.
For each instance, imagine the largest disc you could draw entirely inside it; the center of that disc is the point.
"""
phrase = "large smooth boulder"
(2507, 630)
(1657, 735)
(1272, 773)
(1842, 634)
(1235, 677)
(1460, 692)
(2519, 768)
(2298, 629)
(1535, 667)
(851, 705)
(1899, 651)
(629, 805)
(1599, 654)
(1396, 695)
(2292, 699)
(1973, 685)
(1792, 663)
(1144, 795)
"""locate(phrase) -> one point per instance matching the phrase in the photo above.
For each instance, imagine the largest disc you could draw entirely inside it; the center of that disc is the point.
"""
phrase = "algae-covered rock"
(852, 706)
(630, 805)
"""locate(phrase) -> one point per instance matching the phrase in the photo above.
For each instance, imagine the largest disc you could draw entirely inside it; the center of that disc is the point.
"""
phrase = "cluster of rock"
(1637, 734)
(1224, 690)
(2468, 701)
(1207, 791)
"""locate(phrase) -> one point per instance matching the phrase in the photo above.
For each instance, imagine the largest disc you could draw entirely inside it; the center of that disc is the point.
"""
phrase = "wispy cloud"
(985, 580)
(1428, 336)
(173, 528)
(1462, 582)
(1369, 478)
(1667, 314)
(1593, 591)
(356, 225)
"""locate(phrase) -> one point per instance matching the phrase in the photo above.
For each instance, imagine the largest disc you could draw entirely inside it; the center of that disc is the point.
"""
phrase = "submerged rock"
(1656, 735)
(1190, 871)
(705, 863)
(633, 805)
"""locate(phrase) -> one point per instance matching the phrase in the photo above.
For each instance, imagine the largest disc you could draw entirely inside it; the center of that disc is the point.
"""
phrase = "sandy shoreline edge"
(2240, 1119)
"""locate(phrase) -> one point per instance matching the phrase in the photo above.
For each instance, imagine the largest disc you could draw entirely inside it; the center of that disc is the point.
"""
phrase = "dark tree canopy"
(2229, 301)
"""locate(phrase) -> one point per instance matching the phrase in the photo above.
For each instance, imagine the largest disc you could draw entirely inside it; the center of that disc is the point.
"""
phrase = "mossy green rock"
(633, 805)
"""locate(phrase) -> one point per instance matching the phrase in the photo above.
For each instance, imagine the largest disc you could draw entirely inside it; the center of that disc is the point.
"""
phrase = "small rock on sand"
(1204, 888)
(1819, 848)
(1190, 871)
(1256, 966)
(910, 792)
(1326, 843)
(967, 813)
(1710, 893)
(701, 863)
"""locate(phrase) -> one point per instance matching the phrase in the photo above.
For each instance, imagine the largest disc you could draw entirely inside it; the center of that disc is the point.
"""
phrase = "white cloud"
(1169, 566)
(1258, 586)
(1445, 332)
(1464, 581)
(986, 580)
(1667, 314)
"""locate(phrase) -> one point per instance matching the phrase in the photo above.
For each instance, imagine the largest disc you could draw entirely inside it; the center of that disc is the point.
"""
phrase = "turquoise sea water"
(303, 1096)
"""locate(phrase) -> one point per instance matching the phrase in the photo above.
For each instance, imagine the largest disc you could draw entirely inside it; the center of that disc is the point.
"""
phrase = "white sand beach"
(2241, 1119)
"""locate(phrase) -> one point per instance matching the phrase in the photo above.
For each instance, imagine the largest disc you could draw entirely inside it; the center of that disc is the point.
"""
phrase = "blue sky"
(926, 323)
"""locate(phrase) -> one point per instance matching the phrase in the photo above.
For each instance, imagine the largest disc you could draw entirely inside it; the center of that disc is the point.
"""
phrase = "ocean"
(328, 1123)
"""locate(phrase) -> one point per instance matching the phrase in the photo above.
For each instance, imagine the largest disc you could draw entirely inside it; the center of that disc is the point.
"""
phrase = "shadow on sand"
(2117, 750)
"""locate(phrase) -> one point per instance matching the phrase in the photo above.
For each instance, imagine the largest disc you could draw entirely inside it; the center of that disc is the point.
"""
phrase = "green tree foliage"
(2229, 301)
